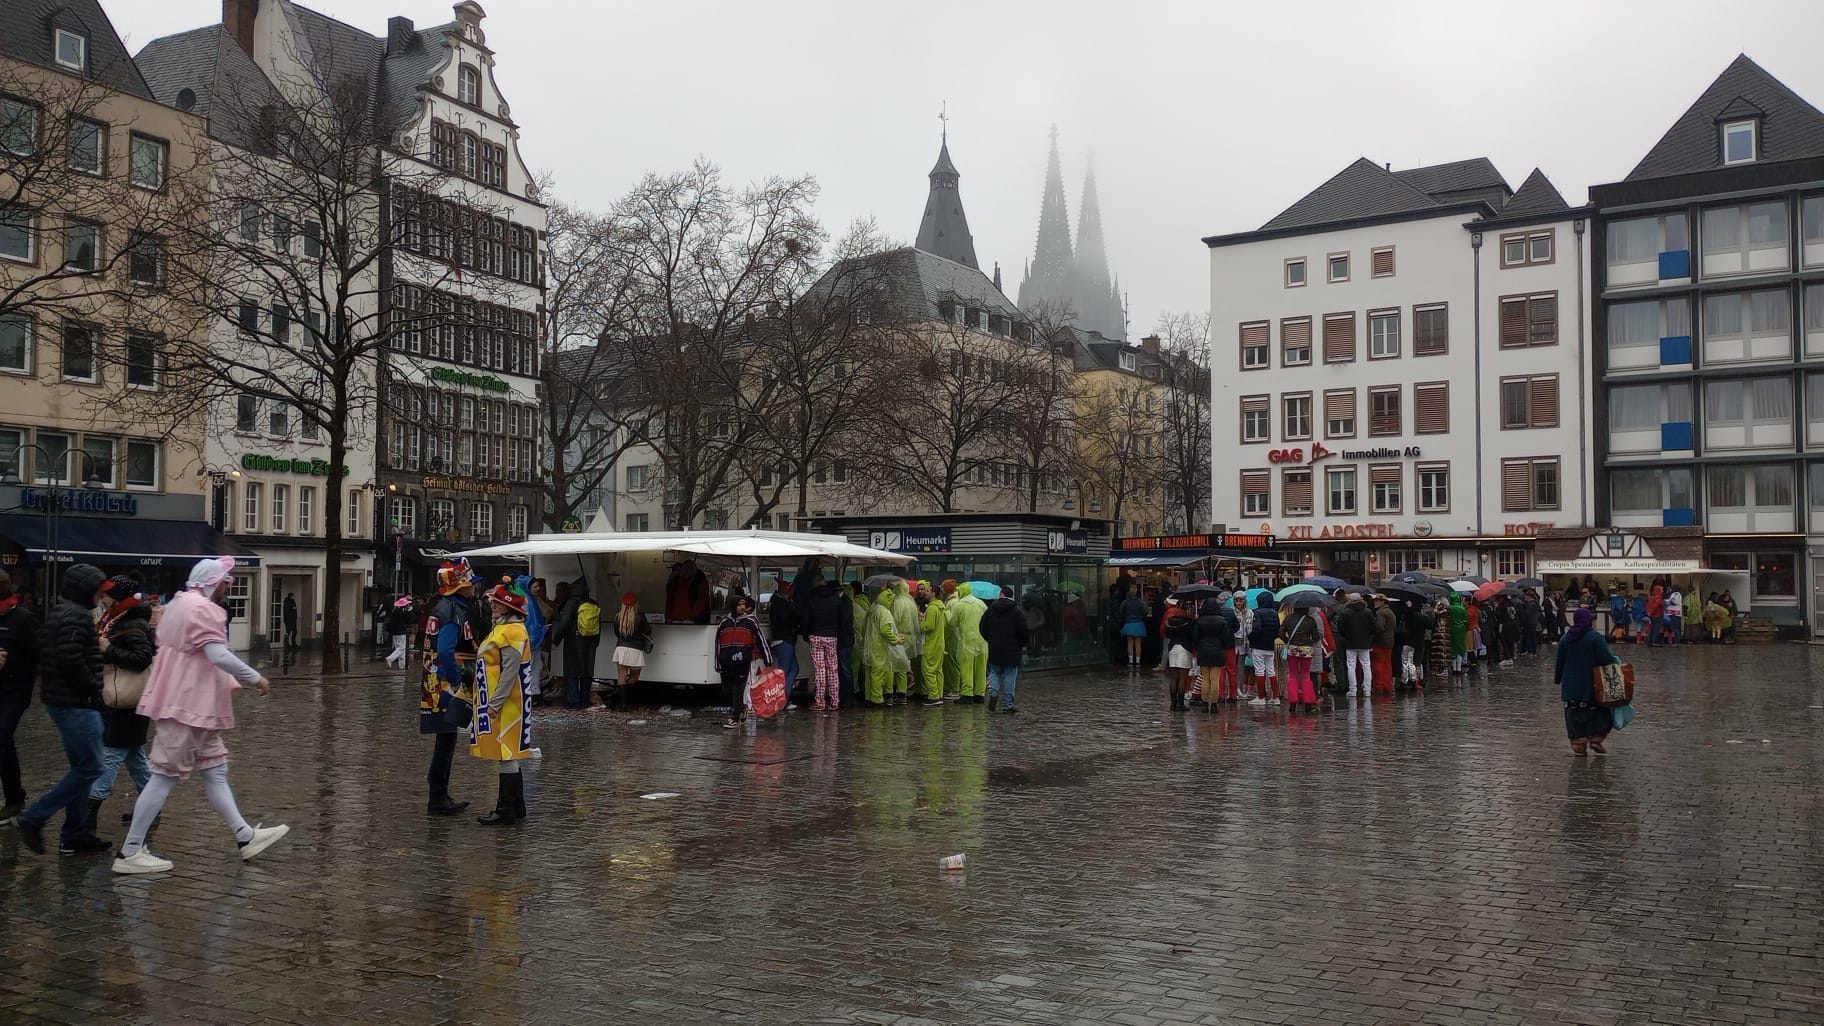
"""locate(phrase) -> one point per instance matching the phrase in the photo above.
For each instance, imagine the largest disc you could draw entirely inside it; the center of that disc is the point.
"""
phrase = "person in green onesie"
(936, 629)
(881, 636)
(972, 656)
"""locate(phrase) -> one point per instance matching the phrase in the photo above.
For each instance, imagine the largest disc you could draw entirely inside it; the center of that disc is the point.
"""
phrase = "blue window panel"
(1674, 350)
(1675, 436)
(1684, 516)
(1675, 263)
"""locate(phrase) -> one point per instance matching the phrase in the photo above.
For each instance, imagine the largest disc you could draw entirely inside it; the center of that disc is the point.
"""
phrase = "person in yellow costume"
(881, 637)
(905, 621)
(936, 630)
(500, 732)
(858, 672)
(972, 653)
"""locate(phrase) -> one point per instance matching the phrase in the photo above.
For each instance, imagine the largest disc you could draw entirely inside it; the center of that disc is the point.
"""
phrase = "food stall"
(642, 562)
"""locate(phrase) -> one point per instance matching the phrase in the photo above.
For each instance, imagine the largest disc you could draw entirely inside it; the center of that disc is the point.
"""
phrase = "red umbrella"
(1489, 590)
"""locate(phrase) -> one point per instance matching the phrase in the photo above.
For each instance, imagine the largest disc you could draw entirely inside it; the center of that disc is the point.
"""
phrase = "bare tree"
(1041, 412)
(1184, 418)
(1117, 443)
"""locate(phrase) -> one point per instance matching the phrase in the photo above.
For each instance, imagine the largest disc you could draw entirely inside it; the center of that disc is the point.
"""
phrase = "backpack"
(589, 619)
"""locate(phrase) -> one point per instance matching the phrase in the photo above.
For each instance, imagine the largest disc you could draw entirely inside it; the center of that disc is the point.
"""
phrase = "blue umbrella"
(1254, 596)
(1297, 589)
(985, 590)
(1326, 583)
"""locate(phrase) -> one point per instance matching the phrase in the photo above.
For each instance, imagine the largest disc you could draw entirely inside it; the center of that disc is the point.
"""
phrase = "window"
(240, 593)
(281, 228)
(18, 127)
(1750, 498)
(1644, 494)
(1401, 561)
(54, 466)
(1812, 217)
(1338, 265)
(81, 245)
(1339, 413)
(1339, 482)
(1529, 484)
(98, 460)
(1529, 320)
(403, 517)
(1434, 487)
(518, 517)
(1384, 481)
(250, 223)
(1522, 248)
(1814, 319)
(1748, 413)
(78, 352)
(1748, 326)
(87, 147)
(1339, 337)
(1529, 402)
(142, 463)
(250, 507)
(1385, 416)
(1297, 424)
(1295, 491)
(15, 344)
(638, 522)
(1380, 262)
(1634, 248)
(313, 239)
(246, 413)
(468, 85)
(1739, 142)
(146, 162)
(307, 509)
(281, 504)
(1255, 500)
(1635, 330)
(1295, 341)
(355, 519)
(1650, 418)
(142, 361)
(639, 477)
(18, 235)
(1746, 239)
(278, 419)
(1512, 563)
(481, 521)
(443, 517)
(1383, 334)
(247, 316)
(1431, 408)
(72, 50)
(145, 261)
(1255, 418)
(1129, 361)
(1295, 272)
(1255, 338)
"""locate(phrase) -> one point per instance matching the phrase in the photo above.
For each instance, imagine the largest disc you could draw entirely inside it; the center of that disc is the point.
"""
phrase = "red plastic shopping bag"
(766, 692)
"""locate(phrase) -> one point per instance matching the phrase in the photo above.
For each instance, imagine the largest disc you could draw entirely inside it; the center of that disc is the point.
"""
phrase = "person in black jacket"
(828, 620)
(1355, 633)
(1213, 639)
(70, 666)
(18, 671)
(1003, 627)
(782, 628)
(125, 635)
(1263, 636)
(401, 617)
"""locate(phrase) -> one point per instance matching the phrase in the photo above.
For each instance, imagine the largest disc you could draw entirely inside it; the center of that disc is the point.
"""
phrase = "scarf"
(1581, 623)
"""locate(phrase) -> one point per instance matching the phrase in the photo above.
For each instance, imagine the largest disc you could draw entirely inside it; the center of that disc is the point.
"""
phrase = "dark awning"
(432, 554)
(128, 541)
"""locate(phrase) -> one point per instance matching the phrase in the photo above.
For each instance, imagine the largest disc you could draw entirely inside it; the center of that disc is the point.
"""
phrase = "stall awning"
(1578, 567)
(123, 542)
(742, 544)
(1159, 559)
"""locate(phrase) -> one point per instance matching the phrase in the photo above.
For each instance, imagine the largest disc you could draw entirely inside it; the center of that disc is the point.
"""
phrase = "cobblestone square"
(1434, 860)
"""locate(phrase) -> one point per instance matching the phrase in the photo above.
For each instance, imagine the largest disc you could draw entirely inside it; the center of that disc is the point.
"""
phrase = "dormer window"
(72, 50)
(1128, 362)
(1740, 142)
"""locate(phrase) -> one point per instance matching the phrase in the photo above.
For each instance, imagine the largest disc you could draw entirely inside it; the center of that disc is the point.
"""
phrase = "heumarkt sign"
(285, 465)
(482, 381)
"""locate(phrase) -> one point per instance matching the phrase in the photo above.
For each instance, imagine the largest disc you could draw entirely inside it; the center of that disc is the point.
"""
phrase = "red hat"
(950, 586)
(628, 598)
(514, 600)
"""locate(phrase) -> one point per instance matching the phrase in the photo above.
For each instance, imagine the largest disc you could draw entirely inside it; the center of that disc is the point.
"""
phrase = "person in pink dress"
(189, 699)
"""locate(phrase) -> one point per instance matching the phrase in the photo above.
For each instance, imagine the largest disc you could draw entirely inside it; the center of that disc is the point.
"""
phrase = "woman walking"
(190, 700)
(1579, 655)
(631, 636)
(1133, 628)
(1300, 632)
(125, 634)
(1179, 630)
(738, 644)
(500, 732)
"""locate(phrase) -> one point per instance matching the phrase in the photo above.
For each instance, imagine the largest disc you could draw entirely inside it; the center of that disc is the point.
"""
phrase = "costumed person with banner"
(449, 641)
(501, 730)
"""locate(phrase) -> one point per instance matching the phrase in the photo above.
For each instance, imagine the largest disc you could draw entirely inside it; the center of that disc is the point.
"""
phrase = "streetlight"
(218, 481)
(54, 495)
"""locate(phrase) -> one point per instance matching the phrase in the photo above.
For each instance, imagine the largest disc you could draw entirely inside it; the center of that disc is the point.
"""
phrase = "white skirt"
(626, 656)
(1179, 658)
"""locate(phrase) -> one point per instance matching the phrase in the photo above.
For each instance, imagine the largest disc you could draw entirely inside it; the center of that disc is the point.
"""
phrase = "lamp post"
(218, 481)
(54, 494)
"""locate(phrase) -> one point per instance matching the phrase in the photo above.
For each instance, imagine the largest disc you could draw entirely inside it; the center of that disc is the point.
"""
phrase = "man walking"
(400, 618)
(1003, 631)
(18, 671)
(1356, 634)
(71, 690)
(1385, 626)
(290, 616)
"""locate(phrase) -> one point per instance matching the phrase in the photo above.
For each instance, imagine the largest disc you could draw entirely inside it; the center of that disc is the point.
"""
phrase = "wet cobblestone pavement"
(1439, 860)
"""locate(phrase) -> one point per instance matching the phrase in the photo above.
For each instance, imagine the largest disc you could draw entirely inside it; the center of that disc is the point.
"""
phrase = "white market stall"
(683, 653)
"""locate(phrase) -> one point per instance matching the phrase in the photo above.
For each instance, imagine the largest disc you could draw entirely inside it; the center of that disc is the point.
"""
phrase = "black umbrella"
(1413, 577)
(1472, 580)
(880, 581)
(1529, 582)
(1197, 591)
(1310, 600)
(1414, 592)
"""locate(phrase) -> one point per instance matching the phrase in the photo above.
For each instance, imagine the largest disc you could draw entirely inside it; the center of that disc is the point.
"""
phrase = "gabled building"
(1710, 323)
(1398, 360)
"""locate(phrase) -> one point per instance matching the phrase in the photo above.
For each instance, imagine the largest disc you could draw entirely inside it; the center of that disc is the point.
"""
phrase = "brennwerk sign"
(286, 465)
(486, 382)
(910, 539)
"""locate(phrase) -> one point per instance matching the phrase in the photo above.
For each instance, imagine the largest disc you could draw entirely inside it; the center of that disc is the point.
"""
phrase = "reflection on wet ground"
(1437, 860)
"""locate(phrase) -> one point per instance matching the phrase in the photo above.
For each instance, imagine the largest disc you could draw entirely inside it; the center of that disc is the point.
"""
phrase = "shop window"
(1513, 562)
(1776, 575)
(240, 593)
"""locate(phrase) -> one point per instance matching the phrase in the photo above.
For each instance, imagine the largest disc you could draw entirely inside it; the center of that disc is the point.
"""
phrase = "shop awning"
(1579, 567)
(1159, 559)
(741, 544)
(123, 542)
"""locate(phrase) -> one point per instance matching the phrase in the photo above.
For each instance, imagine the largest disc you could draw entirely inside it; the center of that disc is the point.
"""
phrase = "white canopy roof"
(747, 544)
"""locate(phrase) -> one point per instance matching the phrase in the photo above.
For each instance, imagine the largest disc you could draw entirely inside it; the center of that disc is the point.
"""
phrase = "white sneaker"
(1257, 701)
(1272, 701)
(141, 863)
(263, 838)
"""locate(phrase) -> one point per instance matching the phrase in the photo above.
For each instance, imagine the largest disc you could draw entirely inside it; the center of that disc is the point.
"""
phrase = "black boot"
(95, 813)
(503, 805)
(519, 796)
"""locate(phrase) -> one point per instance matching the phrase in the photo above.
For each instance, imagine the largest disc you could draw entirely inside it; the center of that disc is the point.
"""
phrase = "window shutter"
(1297, 490)
(1513, 323)
(1432, 408)
(1543, 401)
(1254, 481)
(1339, 338)
(1381, 263)
(1542, 315)
(1388, 473)
(1339, 405)
(1516, 486)
(1253, 335)
(1255, 403)
(1431, 331)
(1295, 333)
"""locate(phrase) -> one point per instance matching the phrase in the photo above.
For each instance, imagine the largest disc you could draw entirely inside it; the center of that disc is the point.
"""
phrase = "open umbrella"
(1464, 587)
(1326, 583)
(1070, 586)
(1313, 599)
(1471, 578)
(1254, 595)
(987, 591)
(1413, 577)
(1297, 589)
(1529, 582)
(880, 581)
(1198, 592)
(1357, 589)
(1413, 592)
(1484, 592)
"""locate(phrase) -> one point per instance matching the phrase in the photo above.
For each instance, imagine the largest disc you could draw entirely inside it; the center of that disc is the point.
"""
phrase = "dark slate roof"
(209, 63)
(1790, 127)
(943, 165)
(409, 68)
(1537, 195)
(917, 282)
(30, 31)
(1361, 190)
(1444, 182)
(335, 51)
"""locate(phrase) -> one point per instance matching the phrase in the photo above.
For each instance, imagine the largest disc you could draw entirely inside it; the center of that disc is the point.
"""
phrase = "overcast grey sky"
(1203, 117)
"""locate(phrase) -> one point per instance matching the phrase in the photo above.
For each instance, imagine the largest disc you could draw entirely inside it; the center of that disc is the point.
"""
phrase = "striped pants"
(823, 666)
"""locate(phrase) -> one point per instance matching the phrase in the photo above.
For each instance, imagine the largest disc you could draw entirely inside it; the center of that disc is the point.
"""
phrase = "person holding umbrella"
(1263, 635)
(1300, 631)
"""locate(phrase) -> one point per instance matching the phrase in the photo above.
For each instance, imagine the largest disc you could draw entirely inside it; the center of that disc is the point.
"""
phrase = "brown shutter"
(1256, 403)
(1339, 404)
(1255, 481)
(1543, 401)
(1542, 315)
(1295, 333)
(1384, 473)
(1431, 408)
(1339, 338)
(1431, 331)
(1296, 489)
(1513, 323)
(1254, 335)
(1381, 263)
(1516, 486)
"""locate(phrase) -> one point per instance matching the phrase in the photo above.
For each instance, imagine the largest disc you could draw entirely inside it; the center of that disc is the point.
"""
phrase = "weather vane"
(943, 115)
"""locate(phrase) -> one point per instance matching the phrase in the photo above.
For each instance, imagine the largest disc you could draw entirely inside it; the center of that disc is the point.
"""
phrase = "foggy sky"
(1203, 117)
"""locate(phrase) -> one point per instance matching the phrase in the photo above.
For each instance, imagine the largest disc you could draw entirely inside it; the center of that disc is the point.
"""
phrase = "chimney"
(1150, 344)
(399, 33)
(237, 19)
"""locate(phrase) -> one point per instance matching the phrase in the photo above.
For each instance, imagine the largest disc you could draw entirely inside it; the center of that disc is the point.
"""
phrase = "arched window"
(468, 85)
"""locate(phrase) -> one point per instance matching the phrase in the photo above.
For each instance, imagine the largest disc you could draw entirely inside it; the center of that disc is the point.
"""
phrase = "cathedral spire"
(1094, 288)
(1047, 281)
(945, 230)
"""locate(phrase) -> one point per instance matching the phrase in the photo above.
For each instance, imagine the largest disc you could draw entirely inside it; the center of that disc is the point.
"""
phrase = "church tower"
(1096, 300)
(1047, 280)
(945, 231)
(1062, 277)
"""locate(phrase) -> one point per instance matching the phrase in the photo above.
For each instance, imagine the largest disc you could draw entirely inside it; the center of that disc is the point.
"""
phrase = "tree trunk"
(332, 550)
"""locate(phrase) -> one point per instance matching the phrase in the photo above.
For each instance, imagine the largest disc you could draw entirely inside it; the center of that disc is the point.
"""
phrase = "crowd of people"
(1660, 613)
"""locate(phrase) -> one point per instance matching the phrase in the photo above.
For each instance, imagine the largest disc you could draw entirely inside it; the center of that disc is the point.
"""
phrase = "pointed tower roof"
(1048, 275)
(1790, 127)
(945, 230)
(1537, 195)
(1092, 253)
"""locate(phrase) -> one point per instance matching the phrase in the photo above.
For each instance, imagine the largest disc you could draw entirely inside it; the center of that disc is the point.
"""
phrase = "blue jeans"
(1001, 680)
(1677, 625)
(785, 656)
(111, 760)
(80, 730)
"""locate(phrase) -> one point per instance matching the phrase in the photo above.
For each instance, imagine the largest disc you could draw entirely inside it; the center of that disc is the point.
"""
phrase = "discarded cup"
(951, 863)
